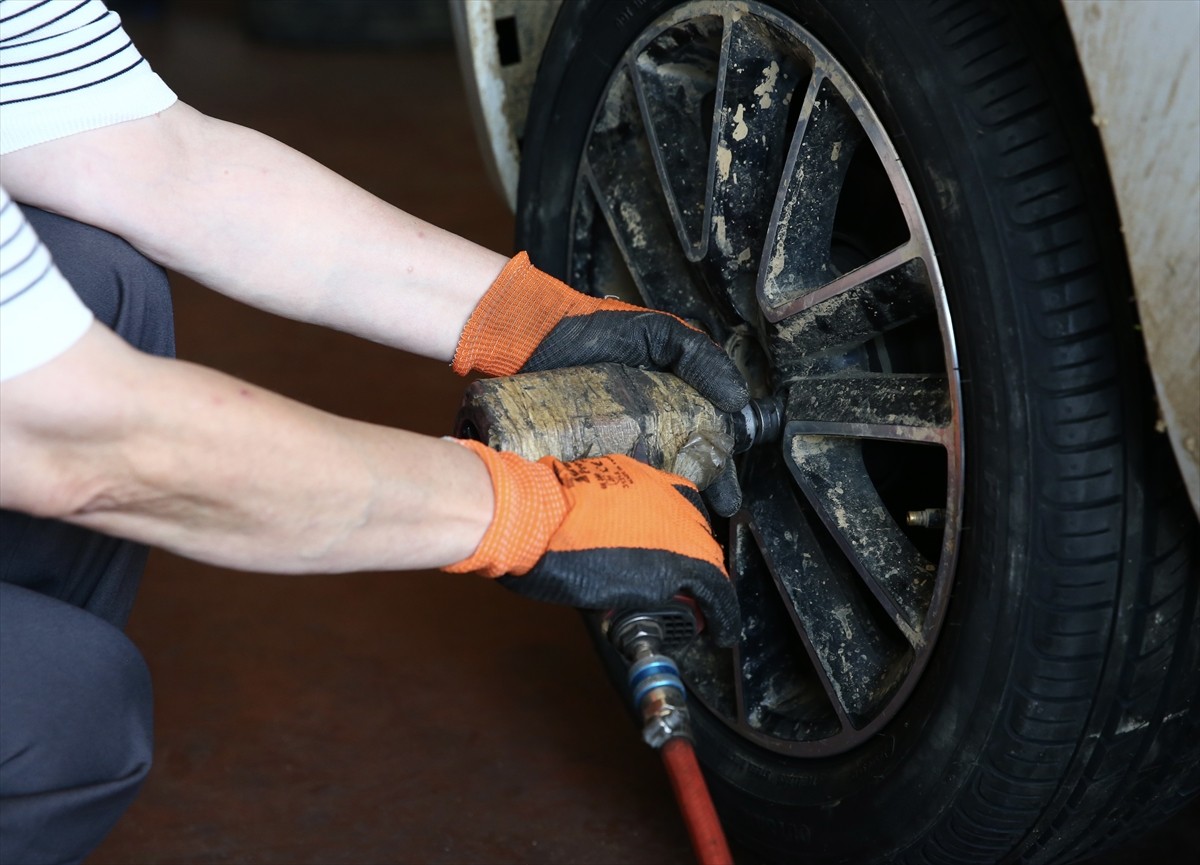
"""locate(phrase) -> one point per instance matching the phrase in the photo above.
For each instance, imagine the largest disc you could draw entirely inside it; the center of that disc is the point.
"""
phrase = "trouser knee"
(76, 730)
(125, 290)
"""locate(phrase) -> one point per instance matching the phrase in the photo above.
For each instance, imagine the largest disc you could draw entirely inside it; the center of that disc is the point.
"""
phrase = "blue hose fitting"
(654, 681)
(653, 671)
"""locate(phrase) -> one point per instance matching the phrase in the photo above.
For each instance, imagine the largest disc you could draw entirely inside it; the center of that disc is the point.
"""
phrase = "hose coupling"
(654, 680)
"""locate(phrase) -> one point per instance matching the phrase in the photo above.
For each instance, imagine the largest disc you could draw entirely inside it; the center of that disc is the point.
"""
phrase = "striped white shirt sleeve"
(40, 314)
(68, 66)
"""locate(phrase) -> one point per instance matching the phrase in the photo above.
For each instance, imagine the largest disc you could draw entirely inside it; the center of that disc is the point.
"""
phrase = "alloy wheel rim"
(736, 175)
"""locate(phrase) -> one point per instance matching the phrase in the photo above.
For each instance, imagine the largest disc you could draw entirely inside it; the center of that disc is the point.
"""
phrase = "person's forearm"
(218, 470)
(250, 217)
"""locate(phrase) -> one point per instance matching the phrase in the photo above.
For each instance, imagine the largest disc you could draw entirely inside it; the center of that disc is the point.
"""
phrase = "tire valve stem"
(928, 518)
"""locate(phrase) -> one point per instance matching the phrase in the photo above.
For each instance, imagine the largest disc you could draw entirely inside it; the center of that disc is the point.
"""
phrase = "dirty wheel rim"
(735, 174)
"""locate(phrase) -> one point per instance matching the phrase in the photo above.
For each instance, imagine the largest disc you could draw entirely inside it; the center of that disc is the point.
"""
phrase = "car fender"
(500, 45)
(1141, 62)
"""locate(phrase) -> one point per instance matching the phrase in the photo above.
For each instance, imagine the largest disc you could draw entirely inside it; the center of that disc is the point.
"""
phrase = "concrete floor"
(417, 717)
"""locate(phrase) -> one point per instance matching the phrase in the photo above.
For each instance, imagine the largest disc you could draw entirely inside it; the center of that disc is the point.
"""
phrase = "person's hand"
(602, 533)
(529, 321)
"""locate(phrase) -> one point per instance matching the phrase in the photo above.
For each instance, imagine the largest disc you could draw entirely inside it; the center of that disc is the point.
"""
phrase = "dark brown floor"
(415, 718)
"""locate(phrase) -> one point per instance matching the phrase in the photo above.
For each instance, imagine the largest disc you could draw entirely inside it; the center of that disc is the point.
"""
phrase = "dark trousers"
(76, 730)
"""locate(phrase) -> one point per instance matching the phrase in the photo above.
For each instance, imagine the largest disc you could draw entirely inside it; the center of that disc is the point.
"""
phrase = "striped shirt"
(66, 66)
(40, 315)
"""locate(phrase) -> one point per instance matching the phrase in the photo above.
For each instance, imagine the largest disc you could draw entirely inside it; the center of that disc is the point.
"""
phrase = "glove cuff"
(514, 316)
(530, 506)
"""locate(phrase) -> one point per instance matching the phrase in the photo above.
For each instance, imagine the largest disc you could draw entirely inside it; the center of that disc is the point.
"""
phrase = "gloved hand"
(601, 533)
(530, 321)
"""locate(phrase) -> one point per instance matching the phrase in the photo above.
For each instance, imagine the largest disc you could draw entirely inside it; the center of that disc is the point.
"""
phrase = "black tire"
(1059, 713)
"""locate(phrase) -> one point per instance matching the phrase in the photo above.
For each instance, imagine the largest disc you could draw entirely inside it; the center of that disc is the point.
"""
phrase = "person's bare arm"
(212, 468)
(254, 219)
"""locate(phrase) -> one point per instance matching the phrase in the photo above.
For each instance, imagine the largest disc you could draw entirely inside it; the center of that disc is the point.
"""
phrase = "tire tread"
(1124, 783)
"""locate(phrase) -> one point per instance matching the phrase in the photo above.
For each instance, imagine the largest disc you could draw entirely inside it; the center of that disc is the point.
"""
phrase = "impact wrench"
(604, 409)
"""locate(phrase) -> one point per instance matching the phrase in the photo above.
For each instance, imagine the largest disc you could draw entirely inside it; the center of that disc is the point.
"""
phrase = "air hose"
(699, 815)
(659, 695)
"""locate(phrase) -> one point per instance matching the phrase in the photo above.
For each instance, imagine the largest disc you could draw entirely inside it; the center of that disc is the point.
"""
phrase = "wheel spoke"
(799, 243)
(757, 85)
(675, 77)
(834, 478)
(778, 691)
(598, 265)
(801, 299)
(858, 314)
(618, 161)
(849, 649)
(911, 408)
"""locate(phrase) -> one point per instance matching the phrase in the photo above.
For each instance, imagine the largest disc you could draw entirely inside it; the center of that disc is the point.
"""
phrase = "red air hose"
(691, 792)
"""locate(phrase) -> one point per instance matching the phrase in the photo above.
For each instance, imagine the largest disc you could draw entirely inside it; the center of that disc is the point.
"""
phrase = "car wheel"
(967, 571)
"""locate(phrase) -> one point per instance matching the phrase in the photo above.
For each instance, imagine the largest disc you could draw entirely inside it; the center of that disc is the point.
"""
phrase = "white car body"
(1141, 62)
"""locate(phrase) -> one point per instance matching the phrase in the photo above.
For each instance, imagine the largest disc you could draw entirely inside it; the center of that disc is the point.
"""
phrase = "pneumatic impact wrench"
(654, 417)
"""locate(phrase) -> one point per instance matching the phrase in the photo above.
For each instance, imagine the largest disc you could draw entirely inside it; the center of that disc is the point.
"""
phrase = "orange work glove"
(602, 533)
(529, 321)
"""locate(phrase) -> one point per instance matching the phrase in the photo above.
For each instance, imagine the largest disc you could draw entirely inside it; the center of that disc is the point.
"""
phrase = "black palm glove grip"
(615, 578)
(644, 338)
